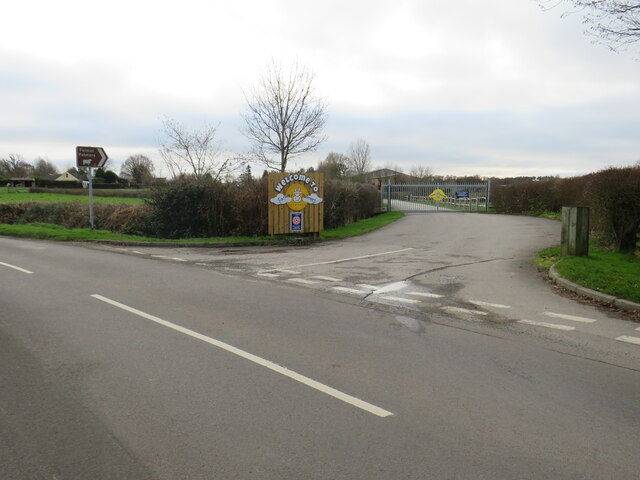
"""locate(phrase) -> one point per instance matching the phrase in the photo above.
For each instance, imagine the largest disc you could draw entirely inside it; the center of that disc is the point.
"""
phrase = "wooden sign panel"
(296, 203)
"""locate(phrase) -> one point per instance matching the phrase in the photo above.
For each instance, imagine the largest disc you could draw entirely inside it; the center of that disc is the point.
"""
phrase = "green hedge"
(613, 194)
(191, 209)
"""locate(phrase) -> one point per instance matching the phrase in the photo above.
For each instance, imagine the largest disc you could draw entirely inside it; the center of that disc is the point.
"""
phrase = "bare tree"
(616, 23)
(359, 157)
(422, 173)
(43, 168)
(284, 117)
(15, 166)
(335, 165)
(194, 152)
(138, 168)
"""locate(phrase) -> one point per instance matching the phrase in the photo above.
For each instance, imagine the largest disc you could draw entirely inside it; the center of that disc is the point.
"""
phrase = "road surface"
(195, 364)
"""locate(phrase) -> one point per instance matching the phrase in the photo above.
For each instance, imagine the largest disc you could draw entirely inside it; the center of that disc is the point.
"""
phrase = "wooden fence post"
(575, 231)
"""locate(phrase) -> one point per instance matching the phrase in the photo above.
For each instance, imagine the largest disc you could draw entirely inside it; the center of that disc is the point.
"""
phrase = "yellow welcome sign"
(438, 195)
(296, 203)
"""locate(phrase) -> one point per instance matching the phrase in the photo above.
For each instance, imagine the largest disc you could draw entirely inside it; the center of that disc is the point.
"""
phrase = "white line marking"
(178, 259)
(203, 264)
(164, 257)
(352, 258)
(634, 340)
(268, 275)
(291, 272)
(356, 402)
(487, 304)
(547, 325)
(233, 269)
(463, 310)
(301, 280)
(350, 290)
(402, 300)
(425, 294)
(16, 268)
(638, 329)
(569, 317)
(136, 251)
(327, 279)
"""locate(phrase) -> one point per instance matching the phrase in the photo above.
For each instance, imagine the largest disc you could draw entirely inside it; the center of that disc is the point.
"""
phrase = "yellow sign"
(295, 203)
(438, 195)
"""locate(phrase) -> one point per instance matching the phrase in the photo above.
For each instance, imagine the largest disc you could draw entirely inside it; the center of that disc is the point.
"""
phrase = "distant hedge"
(613, 194)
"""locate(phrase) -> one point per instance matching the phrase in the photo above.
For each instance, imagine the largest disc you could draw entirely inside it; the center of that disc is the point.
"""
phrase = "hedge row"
(612, 194)
(189, 209)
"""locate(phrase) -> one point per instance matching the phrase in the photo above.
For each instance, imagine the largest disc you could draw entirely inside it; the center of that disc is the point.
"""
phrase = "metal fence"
(435, 197)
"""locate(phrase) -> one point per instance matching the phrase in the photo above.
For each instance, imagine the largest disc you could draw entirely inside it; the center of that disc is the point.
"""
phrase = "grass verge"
(608, 272)
(48, 231)
(361, 227)
(12, 197)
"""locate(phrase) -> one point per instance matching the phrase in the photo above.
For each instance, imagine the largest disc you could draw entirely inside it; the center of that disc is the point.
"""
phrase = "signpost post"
(90, 158)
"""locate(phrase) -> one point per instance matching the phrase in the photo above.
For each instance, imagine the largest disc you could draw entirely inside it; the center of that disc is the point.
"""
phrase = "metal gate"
(435, 197)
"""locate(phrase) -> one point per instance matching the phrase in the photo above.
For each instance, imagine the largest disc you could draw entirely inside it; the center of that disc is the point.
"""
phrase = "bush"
(613, 196)
(186, 209)
(615, 203)
(346, 202)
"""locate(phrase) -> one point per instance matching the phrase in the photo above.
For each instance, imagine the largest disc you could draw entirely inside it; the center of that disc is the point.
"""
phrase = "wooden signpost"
(296, 203)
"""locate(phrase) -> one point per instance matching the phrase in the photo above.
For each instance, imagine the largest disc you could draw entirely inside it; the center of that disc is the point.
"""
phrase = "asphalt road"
(134, 366)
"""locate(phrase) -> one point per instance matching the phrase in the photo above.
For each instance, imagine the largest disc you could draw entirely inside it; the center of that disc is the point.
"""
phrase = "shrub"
(184, 209)
(615, 201)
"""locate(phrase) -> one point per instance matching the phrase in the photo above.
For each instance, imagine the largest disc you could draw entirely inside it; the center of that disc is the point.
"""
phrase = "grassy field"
(13, 197)
(55, 232)
(608, 272)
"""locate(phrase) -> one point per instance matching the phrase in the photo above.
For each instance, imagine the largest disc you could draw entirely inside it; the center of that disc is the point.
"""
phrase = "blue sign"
(462, 193)
(296, 221)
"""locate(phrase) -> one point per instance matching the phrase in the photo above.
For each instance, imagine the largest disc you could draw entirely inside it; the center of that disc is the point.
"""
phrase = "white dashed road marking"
(547, 325)
(487, 304)
(352, 291)
(304, 281)
(410, 301)
(16, 268)
(268, 275)
(573, 318)
(291, 272)
(356, 402)
(327, 279)
(634, 340)
(425, 294)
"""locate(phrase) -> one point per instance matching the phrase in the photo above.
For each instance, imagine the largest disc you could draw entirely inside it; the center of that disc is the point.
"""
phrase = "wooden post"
(575, 231)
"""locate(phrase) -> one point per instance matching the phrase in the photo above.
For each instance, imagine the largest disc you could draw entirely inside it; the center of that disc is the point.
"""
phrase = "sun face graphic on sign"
(297, 192)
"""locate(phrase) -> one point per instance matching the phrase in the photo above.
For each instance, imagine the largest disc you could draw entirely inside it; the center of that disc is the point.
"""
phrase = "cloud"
(280, 199)
(312, 199)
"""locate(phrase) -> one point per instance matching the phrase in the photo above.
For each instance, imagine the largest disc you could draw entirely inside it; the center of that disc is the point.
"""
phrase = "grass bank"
(608, 272)
(13, 197)
(48, 231)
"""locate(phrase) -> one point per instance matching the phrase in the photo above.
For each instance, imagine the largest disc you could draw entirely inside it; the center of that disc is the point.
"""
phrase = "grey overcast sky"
(492, 87)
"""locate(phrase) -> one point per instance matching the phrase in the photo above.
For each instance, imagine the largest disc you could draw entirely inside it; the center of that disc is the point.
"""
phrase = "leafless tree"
(284, 117)
(195, 152)
(335, 165)
(15, 166)
(359, 157)
(616, 23)
(138, 168)
(422, 173)
(43, 168)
